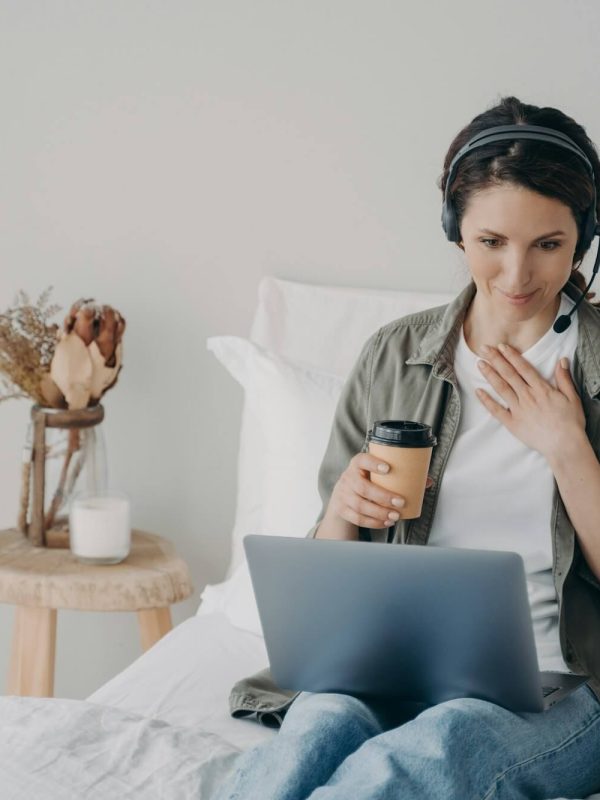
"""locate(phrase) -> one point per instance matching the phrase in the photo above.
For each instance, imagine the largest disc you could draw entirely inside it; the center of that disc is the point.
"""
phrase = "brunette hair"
(536, 165)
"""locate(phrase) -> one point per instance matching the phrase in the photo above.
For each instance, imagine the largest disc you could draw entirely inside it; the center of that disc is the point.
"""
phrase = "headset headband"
(510, 132)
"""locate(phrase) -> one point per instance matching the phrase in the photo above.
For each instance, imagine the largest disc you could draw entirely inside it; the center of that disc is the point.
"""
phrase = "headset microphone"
(590, 227)
(563, 322)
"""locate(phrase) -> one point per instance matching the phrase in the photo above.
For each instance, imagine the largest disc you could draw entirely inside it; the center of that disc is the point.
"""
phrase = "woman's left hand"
(540, 415)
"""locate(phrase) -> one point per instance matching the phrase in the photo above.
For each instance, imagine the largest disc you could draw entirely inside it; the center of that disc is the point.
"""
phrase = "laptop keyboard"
(546, 690)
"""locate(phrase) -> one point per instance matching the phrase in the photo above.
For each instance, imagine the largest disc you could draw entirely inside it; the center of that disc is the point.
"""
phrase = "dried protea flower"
(88, 356)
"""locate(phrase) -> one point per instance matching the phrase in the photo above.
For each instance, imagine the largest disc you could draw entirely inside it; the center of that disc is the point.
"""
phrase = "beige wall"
(162, 157)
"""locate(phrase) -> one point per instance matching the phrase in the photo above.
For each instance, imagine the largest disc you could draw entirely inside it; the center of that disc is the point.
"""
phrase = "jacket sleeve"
(259, 697)
(349, 428)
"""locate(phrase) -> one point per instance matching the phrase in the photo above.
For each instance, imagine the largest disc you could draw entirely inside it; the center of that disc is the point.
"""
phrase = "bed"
(161, 728)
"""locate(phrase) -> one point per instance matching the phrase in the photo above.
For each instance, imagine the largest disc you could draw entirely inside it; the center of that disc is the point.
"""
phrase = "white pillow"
(289, 408)
(322, 327)
(326, 326)
(234, 598)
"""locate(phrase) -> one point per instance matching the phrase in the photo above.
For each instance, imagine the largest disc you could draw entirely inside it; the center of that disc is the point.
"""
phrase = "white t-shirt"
(496, 492)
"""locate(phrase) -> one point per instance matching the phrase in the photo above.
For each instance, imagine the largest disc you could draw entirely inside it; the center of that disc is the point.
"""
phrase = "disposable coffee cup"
(406, 446)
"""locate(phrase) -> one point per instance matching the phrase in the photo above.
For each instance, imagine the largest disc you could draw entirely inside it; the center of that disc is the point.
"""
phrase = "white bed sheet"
(185, 679)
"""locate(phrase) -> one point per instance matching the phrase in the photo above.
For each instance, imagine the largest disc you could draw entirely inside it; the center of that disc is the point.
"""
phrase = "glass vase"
(64, 454)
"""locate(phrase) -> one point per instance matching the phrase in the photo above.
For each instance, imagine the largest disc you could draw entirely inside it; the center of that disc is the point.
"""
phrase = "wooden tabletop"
(152, 576)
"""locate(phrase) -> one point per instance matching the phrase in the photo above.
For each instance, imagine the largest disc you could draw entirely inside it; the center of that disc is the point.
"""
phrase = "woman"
(515, 407)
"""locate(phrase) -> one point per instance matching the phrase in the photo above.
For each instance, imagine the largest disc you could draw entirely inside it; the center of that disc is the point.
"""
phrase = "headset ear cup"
(444, 219)
(449, 223)
(590, 229)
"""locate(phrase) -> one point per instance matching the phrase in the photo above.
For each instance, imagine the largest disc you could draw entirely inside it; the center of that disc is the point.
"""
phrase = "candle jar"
(100, 527)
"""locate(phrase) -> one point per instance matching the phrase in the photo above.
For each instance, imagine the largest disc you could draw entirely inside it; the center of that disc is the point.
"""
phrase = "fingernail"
(396, 501)
(394, 515)
(382, 467)
(564, 362)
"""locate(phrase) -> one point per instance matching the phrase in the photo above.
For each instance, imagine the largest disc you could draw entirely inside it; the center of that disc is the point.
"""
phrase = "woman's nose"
(517, 271)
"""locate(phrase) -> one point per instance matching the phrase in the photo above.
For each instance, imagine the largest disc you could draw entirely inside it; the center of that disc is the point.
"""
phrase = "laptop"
(404, 622)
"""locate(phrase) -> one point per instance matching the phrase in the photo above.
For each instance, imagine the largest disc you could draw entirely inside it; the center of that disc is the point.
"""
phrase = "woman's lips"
(519, 299)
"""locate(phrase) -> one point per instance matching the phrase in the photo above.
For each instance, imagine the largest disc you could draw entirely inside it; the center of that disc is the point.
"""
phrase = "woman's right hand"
(356, 499)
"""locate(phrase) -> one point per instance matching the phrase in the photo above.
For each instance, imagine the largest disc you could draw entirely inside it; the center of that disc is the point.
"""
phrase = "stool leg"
(33, 653)
(154, 623)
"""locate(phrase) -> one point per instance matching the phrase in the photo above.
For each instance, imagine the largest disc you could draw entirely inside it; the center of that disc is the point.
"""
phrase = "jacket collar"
(439, 343)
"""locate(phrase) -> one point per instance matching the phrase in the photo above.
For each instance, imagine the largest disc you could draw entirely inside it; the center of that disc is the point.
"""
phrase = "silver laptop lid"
(425, 624)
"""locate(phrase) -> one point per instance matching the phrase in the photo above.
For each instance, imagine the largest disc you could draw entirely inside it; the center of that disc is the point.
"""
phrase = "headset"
(509, 132)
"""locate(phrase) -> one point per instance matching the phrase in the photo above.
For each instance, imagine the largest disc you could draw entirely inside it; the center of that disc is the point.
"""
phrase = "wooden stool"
(40, 580)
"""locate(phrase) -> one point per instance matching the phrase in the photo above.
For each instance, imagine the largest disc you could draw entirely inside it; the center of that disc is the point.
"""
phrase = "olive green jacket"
(406, 371)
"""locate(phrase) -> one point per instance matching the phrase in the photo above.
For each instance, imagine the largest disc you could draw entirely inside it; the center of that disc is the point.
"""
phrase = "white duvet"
(55, 749)
(159, 729)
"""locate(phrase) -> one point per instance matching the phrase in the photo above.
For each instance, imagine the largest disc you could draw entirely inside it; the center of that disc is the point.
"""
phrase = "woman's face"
(512, 247)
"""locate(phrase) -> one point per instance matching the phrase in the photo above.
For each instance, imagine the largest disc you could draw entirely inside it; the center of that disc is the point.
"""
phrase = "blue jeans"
(335, 747)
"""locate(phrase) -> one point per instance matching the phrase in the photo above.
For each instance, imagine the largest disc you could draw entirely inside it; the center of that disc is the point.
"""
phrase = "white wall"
(163, 156)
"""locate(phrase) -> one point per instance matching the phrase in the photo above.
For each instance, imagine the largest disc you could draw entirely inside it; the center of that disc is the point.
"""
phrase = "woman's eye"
(490, 243)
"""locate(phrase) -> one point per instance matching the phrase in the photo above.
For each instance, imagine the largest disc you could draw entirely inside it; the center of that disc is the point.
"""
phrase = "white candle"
(100, 527)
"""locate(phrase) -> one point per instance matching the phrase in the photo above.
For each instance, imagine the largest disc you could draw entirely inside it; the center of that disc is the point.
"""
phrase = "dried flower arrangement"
(27, 344)
(69, 368)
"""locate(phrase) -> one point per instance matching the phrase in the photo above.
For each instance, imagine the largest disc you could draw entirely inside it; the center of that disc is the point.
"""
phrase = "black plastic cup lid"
(402, 433)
